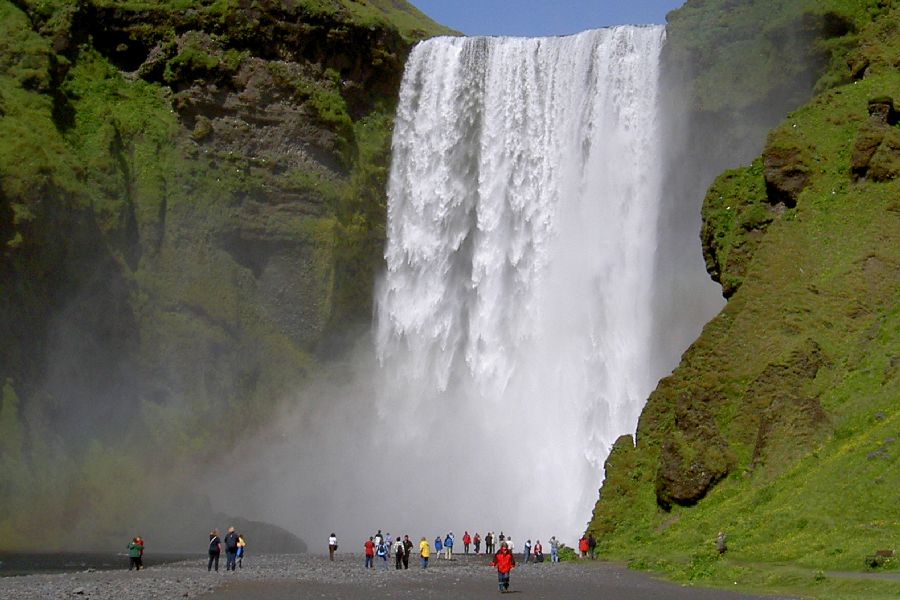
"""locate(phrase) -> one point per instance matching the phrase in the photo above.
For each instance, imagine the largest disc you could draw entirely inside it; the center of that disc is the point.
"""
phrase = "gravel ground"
(276, 577)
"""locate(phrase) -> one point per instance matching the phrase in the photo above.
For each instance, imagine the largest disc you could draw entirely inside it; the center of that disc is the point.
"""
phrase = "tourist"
(583, 546)
(381, 551)
(424, 552)
(526, 551)
(378, 538)
(489, 543)
(332, 546)
(215, 549)
(554, 549)
(134, 554)
(369, 547)
(467, 539)
(399, 553)
(438, 546)
(505, 562)
(592, 545)
(509, 543)
(231, 539)
(140, 542)
(388, 543)
(407, 550)
(448, 546)
(538, 552)
(242, 548)
(477, 541)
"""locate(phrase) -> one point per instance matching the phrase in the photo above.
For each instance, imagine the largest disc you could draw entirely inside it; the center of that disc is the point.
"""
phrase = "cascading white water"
(520, 325)
(514, 323)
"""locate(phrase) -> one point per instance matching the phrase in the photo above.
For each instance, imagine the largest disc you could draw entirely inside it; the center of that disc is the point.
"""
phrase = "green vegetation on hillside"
(191, 205)
(781, 425)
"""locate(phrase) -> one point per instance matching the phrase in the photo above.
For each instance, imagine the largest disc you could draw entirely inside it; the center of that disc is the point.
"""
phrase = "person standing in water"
(332, 546)
(505, 563)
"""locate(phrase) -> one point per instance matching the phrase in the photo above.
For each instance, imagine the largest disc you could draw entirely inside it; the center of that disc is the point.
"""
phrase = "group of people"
(587, 546)
(379, 548)
(235, 547)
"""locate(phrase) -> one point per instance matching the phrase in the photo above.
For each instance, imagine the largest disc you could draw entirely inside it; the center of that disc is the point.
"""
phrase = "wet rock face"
(876, 150)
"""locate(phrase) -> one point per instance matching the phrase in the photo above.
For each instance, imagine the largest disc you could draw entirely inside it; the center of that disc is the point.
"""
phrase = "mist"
(515, 333)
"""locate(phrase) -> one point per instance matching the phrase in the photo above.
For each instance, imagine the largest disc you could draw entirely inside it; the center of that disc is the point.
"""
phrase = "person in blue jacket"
(448, 546)
(438, 546)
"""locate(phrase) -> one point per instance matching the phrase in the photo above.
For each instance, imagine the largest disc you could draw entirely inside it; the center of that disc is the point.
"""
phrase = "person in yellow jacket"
(424, 552)
(242, 545)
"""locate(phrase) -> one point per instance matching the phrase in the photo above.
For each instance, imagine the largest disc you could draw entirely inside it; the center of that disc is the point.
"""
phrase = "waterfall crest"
(514, 323)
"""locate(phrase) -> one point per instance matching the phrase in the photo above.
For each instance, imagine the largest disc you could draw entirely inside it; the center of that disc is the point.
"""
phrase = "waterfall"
(514, 324)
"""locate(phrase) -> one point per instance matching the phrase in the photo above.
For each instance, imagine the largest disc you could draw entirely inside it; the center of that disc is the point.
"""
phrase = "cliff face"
(191, 201)
(779, 424)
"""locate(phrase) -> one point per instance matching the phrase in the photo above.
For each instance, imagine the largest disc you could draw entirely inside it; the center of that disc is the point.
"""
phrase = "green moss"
(801, 364)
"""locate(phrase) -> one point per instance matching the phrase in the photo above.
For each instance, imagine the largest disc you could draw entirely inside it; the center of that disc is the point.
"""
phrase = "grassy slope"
(798, 374)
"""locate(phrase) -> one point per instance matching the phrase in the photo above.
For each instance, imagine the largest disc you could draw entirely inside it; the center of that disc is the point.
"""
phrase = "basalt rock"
(876, 150)
(786, 171)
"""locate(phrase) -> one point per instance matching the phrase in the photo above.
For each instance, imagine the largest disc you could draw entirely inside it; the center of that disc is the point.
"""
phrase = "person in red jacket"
(467, 539)
(505, 562)
(583, 546)
(369, 546)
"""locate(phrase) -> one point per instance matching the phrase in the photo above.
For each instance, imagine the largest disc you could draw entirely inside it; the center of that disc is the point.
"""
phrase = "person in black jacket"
(231, 546)
(215, 548)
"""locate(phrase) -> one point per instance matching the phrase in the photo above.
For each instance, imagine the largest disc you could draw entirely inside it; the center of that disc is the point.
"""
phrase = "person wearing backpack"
(477, 541)
(381, 552)
(231, 546)
(438, 546)
(399, 554)
(448, 546)
(215, 549)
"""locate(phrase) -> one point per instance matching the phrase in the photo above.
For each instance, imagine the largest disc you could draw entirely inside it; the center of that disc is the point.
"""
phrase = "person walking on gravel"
(407, 551)
(424, 552)
(477, 542)
(332, 546)
(448, 546)
(592, 545)
(467, 540)
(554, 549)
(399, 553)
(134, 554)
(215, 550)
(438, 546)
(505, 562)
(231, 546)
(242, 549)
(369, 547)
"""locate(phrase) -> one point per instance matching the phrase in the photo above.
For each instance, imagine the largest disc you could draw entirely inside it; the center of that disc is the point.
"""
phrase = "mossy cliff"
(191, 203)
(780, 426)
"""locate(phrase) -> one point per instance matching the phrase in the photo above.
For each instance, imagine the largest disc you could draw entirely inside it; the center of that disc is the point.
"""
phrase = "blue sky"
(534, 18)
